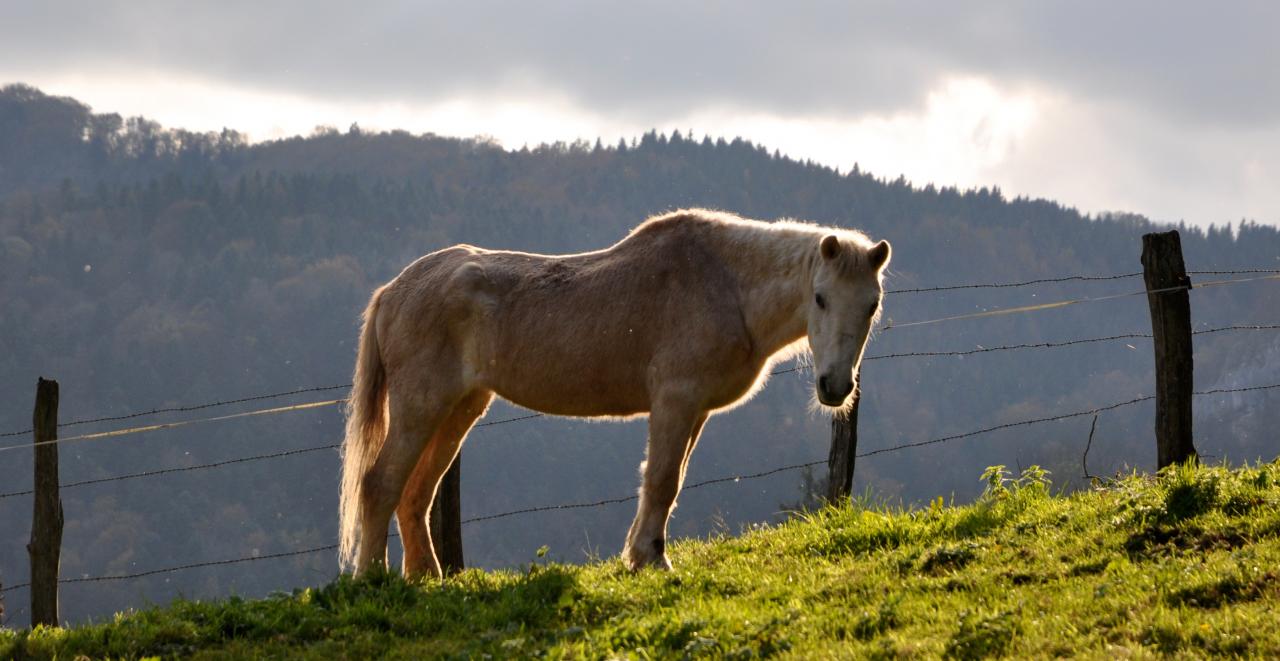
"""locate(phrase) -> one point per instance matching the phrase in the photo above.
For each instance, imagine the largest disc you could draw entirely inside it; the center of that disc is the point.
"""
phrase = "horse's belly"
(582, 389)
(563, 385)
(582, 399)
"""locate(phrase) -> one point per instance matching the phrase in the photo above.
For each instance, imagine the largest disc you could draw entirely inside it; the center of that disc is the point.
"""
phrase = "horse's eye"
(822, 302)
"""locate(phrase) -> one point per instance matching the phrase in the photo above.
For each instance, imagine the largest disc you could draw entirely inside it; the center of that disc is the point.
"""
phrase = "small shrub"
(996, 478)
(1034, 481)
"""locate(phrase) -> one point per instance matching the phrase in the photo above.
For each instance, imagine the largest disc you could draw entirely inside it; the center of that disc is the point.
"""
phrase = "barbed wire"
(510, 420)
(888, 326)
(895, 448)
(184, 409)
(909, 354)
(243, 414)
(1233, 272)
(331, 547)
(1036, 307)
(193, 565)
(218, 464)
(629, 498)
(1220, 391)
(1007, 425)
(1024, 283)
(1069, 278)
(1010, 347)
(181, 469)
(1053, 418)
(1235, 328)
(334, 446)
(735, 478)
(1065, 343)
(177, 423)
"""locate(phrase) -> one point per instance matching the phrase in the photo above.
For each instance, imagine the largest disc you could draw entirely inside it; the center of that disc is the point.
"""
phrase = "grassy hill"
(1186, 565)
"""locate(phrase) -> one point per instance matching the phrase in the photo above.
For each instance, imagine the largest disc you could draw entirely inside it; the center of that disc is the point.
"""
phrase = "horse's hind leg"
(414, 417)
(415, 503)
(671, 429)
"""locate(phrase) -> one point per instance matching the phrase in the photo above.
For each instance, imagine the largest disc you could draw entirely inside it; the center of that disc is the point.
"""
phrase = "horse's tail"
(366, 431)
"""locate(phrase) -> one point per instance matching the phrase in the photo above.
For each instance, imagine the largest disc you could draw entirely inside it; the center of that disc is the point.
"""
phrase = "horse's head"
(845, 302)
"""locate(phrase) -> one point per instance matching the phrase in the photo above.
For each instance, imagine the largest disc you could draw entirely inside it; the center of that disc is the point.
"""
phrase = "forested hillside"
(146, 267)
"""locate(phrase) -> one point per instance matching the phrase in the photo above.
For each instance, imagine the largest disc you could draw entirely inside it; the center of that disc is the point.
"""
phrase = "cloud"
(1109, 156)
(1202, 62)
(1169, 109)
(959, 131)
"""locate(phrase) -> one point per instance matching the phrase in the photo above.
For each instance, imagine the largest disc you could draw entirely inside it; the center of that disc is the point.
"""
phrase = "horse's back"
(584, 334)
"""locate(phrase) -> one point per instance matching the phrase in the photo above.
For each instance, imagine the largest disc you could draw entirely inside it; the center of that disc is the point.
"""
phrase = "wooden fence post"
(1163, 268)
(446, 520)
(46, 520)
(844, 448)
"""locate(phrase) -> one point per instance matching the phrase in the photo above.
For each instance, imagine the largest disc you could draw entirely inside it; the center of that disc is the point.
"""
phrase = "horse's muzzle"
(831, 394)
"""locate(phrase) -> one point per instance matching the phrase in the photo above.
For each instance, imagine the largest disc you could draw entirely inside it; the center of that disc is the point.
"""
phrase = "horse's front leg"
(671, 427)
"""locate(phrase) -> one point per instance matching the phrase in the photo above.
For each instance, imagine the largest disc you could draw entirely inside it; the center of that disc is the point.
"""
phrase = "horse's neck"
(774, 270)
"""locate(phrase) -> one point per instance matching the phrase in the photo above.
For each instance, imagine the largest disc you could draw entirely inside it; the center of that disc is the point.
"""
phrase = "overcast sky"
(1168, 109)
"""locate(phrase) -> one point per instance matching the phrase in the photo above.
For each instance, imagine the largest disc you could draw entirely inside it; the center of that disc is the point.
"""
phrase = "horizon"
(634, 139)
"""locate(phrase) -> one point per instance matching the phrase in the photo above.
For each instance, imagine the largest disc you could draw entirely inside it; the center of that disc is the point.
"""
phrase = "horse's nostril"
(822, 384)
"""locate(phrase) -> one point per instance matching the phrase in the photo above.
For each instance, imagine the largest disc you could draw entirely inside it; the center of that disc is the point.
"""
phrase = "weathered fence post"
(446, 520)
(46, 519)
(1163, 268)
(844, 448)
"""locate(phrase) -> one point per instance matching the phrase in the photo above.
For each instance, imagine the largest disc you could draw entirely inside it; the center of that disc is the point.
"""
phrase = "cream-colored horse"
(680, 319)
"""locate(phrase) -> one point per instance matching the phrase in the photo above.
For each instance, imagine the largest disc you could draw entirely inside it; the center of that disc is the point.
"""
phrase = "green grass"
(1184, 565)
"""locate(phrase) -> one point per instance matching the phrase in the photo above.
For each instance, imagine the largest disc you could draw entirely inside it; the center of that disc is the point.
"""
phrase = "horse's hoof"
(661, 564)
(656, 556)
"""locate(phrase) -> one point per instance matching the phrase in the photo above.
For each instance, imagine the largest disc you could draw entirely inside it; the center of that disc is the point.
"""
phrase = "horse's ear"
(830, 246)
(879, 254)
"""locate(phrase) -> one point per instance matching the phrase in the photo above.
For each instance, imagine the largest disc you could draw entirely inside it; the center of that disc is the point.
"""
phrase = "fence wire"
(735, 478)
(218, 464)
(1024, 283)
(1053, 305)
(180, 469)
(185, 409)
(632, 497)
(1068, 278)
(334, 446)
(907, 354)
(1233, 272)
(886, 327)
(172, 425)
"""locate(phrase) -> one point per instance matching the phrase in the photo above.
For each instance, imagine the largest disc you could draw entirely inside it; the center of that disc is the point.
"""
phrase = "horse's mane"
(737, 232)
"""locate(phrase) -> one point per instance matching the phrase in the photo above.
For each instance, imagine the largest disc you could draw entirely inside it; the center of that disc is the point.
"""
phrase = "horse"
(680, 319)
